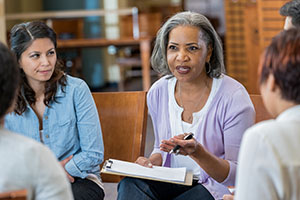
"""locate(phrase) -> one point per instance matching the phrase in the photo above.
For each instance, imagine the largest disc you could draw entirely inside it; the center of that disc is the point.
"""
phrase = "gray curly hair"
(210, 37)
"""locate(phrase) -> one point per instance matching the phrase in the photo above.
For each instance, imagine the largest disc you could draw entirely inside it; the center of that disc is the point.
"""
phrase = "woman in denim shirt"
(56, 109)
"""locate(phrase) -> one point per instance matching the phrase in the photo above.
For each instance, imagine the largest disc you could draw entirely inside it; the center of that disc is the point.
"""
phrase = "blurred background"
(108, 43)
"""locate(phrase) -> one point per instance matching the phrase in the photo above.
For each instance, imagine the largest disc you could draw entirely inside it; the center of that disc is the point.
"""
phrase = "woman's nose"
(182, 56)
(44, 60)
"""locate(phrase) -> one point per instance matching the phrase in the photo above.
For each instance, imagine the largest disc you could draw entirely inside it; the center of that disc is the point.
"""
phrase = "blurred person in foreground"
(269, 162)
(25, 163)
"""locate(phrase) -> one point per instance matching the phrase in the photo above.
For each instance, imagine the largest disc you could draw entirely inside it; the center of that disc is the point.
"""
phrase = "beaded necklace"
(190, 118)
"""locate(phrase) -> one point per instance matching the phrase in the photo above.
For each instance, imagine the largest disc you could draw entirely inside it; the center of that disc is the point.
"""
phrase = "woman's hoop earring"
(207, 67)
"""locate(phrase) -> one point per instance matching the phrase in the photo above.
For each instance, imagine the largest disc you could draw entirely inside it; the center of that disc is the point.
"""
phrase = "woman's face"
(38, 61)
(187, 53)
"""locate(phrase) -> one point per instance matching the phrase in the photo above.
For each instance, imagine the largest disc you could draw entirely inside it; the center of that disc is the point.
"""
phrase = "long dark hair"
(21, 37)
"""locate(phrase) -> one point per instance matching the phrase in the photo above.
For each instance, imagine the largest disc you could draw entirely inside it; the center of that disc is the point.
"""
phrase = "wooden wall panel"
(269, 19)
(252, 46)
(250, 27)
(2, 22)
(235, 52)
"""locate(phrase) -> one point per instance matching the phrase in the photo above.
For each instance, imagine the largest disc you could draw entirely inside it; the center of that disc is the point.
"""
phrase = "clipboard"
(163, 174)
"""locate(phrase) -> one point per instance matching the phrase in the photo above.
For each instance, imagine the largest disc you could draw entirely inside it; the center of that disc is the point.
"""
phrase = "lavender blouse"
(230, 113)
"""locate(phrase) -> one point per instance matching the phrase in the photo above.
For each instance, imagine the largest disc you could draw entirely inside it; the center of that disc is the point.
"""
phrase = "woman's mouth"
(183, 69)
(44, 71)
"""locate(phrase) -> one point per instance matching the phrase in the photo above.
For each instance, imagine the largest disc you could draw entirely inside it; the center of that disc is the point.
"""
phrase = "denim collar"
(59, 92)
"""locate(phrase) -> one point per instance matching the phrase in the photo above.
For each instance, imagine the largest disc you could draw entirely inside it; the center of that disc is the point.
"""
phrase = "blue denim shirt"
(71, 126)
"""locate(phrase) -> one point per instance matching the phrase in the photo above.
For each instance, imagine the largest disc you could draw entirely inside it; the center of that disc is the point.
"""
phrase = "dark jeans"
(141, 189)
(84, 189)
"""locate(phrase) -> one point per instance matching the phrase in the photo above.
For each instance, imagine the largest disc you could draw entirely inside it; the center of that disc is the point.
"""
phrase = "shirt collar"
(59, 92)
(290, 114)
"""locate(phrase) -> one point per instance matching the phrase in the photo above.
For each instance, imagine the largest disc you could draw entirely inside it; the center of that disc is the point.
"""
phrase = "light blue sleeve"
(89, 132)
(9, 119)
(6, 122)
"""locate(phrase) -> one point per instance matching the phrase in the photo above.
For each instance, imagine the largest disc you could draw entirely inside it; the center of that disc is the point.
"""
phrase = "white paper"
(162, 173)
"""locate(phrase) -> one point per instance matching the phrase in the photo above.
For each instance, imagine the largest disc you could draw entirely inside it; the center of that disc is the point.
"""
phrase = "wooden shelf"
(134, 62)
(98, 42)
(143, 43)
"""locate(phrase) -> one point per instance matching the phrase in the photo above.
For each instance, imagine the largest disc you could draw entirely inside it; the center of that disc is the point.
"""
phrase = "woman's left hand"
(63, 163)
(188, 147)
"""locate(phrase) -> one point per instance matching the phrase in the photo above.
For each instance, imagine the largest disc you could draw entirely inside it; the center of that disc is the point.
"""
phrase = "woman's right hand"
(63, 163)
(228, 197)
(187, 147)
(144, 161)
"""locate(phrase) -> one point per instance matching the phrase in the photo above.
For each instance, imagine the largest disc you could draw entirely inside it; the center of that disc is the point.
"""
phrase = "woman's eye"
(193, 48)
(51, 52)
(172, 47)
(35, 55)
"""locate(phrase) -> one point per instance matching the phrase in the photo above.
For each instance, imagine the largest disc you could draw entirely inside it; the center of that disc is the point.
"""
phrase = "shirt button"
(46, 117)
(47, 136)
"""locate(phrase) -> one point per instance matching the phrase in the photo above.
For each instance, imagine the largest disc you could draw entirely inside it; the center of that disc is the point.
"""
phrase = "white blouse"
(269, 161)
(179, 127)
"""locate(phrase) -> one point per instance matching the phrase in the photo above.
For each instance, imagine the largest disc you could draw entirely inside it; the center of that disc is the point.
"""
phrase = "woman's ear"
(209, 53)
(271, 84)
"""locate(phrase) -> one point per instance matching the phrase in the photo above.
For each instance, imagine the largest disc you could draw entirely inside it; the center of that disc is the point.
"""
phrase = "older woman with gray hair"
(193, 96)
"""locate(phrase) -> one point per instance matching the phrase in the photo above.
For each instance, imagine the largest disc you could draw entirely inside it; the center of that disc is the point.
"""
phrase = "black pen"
(177, 147)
